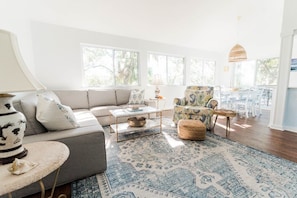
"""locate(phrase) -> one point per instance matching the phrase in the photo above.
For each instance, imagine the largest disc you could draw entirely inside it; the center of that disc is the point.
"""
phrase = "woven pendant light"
(237, 53)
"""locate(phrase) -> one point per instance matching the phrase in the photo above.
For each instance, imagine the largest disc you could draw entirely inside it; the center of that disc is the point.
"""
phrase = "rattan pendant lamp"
(237, 53)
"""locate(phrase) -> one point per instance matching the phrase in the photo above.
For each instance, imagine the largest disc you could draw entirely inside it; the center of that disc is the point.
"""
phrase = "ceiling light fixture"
(237, 53)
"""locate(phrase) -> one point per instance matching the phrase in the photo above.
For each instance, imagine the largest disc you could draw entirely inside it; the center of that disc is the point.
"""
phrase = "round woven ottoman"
(191, 130)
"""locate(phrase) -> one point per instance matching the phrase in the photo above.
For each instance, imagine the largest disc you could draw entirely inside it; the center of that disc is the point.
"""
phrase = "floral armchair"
(197, 104)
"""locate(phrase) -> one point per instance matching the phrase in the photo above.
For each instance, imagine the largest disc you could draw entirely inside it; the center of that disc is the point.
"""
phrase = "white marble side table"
(49, 155)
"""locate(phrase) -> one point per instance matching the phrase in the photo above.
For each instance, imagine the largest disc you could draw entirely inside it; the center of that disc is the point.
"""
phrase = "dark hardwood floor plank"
(254, 132)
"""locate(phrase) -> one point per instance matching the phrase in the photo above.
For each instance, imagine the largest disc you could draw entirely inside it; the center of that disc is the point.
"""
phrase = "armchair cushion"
(179, 101)
(191, 110)
(198, 96)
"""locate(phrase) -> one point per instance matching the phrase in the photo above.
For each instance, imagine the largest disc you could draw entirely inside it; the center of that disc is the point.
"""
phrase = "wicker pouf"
(191, 130)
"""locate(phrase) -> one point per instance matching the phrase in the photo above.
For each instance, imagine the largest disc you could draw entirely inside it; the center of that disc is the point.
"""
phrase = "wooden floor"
(253, 132)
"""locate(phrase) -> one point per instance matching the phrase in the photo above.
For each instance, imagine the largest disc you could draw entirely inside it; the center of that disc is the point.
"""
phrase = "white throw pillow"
(53, 115)
(136, 97)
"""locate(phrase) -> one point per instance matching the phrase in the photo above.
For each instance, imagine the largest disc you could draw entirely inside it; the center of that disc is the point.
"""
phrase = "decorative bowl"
(136, 121)
(134, 107)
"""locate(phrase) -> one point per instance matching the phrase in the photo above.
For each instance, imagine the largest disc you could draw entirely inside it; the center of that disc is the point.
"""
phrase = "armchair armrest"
(179, 101)
(212, 103)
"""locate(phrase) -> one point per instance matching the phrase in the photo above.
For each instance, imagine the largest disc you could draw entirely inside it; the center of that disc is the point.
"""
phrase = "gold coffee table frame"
(125, 113)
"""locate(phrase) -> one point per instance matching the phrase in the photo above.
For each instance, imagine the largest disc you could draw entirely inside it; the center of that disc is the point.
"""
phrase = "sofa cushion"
(76, 99)
(103, 110)
(53, 115)
(136, 97)
(122, 96)
(102, 98)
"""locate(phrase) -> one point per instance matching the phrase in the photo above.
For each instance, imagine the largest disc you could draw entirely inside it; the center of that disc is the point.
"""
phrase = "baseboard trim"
(283, 128)
(276, 127)
(291, 129)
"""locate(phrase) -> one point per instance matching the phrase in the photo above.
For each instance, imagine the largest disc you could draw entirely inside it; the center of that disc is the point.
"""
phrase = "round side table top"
(49, 155)
(225, 112)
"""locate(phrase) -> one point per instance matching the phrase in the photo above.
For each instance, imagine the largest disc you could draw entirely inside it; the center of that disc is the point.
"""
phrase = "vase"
(12, 128)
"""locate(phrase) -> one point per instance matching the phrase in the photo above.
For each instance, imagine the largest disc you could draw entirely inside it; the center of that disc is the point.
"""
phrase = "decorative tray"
(134, 110)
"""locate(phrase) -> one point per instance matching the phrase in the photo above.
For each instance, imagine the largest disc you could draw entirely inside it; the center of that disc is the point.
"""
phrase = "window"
(261, 72)
(170, 68)
(244, 74)
(109, 67)
(202, 71)
(267, 71)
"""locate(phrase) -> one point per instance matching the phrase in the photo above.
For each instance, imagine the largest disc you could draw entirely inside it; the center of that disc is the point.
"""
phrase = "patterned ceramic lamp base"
(11, 159)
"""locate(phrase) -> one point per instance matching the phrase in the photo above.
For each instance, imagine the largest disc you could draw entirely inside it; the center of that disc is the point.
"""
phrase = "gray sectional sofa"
(86, 143)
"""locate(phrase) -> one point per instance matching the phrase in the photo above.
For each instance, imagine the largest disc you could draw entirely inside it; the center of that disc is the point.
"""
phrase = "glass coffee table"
(120, 128)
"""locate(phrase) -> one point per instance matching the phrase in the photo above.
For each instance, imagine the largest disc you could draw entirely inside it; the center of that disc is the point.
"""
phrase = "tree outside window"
(109, 67)
(244, 74)
(170, 68)
(267, 71)
(202, 71)
(261, 72)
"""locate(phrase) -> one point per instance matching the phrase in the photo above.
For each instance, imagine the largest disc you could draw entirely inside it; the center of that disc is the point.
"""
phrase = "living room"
(51, 36)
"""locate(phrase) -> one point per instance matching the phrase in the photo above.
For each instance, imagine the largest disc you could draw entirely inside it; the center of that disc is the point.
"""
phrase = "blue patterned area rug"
(162, 165)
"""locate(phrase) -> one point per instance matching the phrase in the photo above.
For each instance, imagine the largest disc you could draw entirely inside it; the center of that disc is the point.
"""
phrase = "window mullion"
(114, 69)
(167, 77)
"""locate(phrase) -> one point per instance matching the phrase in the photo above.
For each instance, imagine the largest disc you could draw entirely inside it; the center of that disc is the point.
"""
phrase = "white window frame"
(204, 60)
(82, 45)
(255, 73)
(165, 79)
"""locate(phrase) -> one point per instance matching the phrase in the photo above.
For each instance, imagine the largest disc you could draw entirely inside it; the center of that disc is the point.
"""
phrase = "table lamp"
(157, 81)
(14, 77)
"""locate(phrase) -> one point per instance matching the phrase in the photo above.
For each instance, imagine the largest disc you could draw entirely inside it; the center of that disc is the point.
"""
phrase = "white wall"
(16, 20)
(57, 56)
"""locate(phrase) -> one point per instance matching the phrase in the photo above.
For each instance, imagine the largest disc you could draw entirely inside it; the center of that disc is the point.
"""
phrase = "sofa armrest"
(212, 103)
(179, 101)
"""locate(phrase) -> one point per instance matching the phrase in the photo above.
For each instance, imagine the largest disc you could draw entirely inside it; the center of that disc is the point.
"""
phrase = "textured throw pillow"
(136, 97)
(53, 115)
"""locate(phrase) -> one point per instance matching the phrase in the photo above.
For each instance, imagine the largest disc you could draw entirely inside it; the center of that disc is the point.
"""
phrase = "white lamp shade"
(14, 75)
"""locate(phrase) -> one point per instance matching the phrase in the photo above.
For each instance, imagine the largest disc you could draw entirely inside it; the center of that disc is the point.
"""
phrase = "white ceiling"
(203, 24)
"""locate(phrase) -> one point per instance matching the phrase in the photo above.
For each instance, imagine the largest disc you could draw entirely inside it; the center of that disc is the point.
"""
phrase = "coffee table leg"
(117, 129)
(160, 121)
(109, 123)
(228, 126)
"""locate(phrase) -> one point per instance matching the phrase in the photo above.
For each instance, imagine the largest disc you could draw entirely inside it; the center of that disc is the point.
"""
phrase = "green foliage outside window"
(261, 72)
(109, 67)
(202, 72)
(267, 71)
(170, 68)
